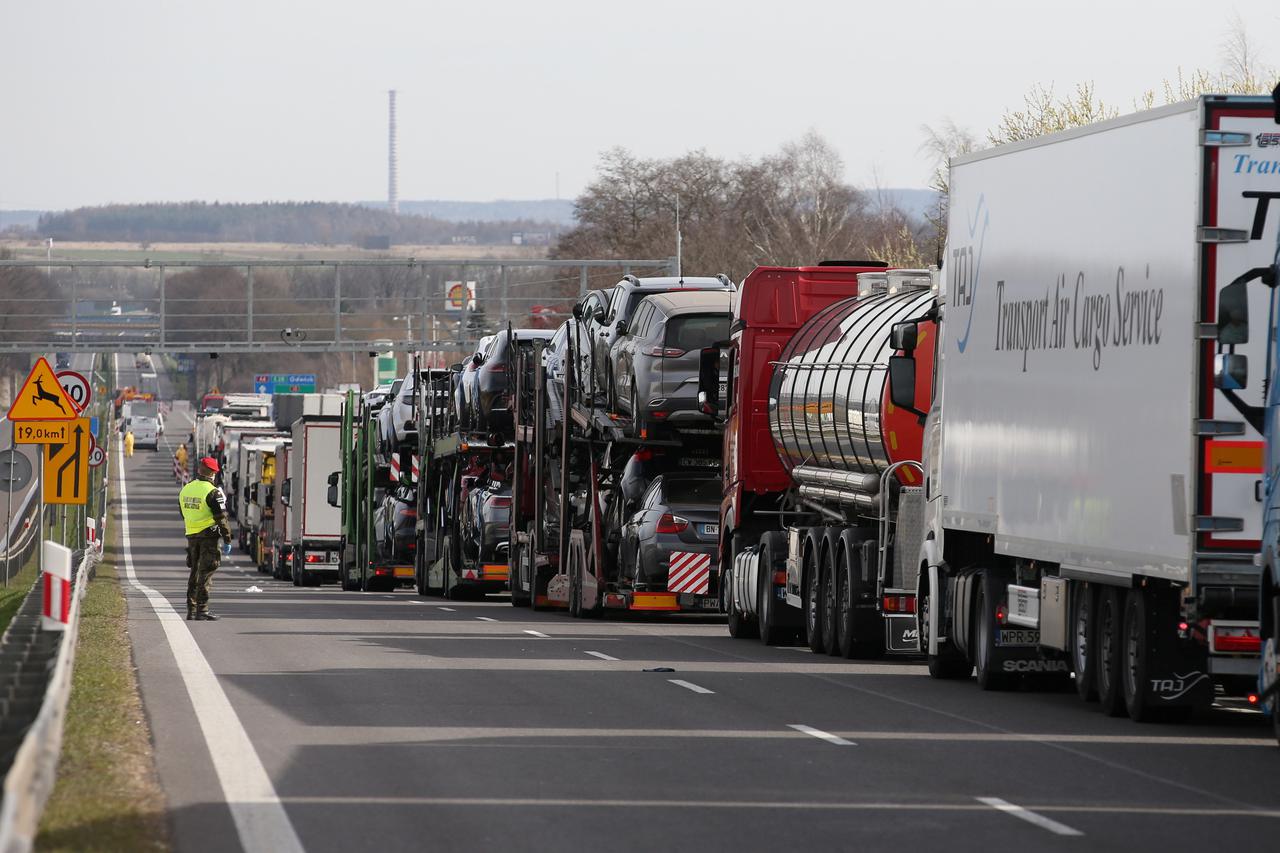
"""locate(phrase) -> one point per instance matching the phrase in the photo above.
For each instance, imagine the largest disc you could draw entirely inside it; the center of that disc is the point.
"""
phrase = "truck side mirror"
(622, 328)
(1230, 371)
(902, 381)
(577, 311)
(331, 496)
(286, 491)
(709, 380)
(904, 336)
(1233, 313)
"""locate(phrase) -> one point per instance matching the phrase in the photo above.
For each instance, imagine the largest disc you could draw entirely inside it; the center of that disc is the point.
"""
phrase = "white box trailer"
(1092, 497)
(315, 525)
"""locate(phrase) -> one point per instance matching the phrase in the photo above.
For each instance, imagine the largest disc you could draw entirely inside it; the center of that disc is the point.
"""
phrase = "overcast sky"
(128, 101)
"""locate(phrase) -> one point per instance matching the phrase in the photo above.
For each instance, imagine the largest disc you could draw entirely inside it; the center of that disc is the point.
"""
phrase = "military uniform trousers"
(204, 555)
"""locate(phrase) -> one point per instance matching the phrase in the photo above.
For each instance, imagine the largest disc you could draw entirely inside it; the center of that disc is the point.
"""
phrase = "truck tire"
(829, 604)
(811, 592)
(520, 564)
(1271, 605)
(860, 632)
(1141, 654)
(1084, 643)
(769, 613)
(984, 634)
(948, 663)
(1107, 656)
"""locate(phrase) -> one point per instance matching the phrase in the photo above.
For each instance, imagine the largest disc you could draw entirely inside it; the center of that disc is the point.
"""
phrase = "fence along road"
(390, 721)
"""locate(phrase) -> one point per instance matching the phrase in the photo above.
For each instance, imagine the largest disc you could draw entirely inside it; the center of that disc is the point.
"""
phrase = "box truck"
(315, 530)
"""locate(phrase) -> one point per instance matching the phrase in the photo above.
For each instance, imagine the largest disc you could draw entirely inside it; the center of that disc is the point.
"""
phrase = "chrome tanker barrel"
(829, 411)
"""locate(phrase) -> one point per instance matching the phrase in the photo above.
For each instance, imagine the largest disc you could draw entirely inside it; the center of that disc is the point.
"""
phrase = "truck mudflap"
(901, 636)
(1018, 651)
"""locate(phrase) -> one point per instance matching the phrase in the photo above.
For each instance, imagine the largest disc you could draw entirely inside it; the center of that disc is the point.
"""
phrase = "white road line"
(527, 631)
(481, 618)
(259, 816)
(601, 655)
(821, 735)
(689, 685)
(1029, 816)
(448, 610)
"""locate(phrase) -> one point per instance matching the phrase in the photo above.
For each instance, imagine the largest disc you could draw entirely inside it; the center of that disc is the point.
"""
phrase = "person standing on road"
(128, 442)
(204, 513)
(180, 459)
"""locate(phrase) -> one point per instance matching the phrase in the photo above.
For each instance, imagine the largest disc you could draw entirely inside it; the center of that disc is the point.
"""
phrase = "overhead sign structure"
(284, 383)
(66, 467)
(42, 397)
(77, 388)
(42, 432)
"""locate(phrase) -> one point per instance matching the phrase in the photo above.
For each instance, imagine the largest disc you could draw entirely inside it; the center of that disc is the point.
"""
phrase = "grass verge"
(12, 596)
(107, 796)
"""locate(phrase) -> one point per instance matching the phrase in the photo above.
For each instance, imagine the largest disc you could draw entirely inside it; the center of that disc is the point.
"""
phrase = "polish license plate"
(1018, 637)
(711, 529)
(711, 603)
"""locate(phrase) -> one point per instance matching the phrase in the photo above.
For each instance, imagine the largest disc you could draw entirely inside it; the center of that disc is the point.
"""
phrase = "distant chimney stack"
(393, 166)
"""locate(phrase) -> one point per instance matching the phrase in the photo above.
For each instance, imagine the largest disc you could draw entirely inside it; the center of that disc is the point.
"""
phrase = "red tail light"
(672, 523)
(1001, 613)
(663, 352)
(406, 513)
(1238, 645)
(899, 604)
(315, 558)
(500, 501)
(644, 454)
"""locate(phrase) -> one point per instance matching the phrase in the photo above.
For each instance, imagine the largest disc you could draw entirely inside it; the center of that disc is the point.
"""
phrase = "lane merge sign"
(66, 467)
(42, 397)
(77, 388)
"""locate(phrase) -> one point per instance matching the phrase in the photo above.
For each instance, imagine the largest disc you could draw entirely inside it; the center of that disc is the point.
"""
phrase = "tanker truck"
(819, 468)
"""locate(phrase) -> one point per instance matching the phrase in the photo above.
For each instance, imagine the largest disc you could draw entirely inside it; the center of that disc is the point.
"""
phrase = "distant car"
(62, 361)
(601, 325)
(492, 383)
(395, 420)
(555, 359)
(395, 524)
(656, 359)
(142, 361)
(679, 513)
(487, 522)
(375, 398)
(467, 380)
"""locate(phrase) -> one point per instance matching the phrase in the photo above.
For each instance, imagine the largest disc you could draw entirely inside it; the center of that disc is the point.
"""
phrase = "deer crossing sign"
(42, 397)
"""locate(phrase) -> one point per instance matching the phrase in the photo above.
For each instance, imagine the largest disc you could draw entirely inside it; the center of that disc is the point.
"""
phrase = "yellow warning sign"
(42, 432)
(42, 397)
(66, 467)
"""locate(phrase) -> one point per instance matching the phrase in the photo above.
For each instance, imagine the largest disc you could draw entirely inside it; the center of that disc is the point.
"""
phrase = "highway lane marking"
(484, 618)
(530, 632)
(601, 655)
(259, 816)
(821, 735)
(1269, 814)
(689, 685)
(1029, 816)
(448, 610)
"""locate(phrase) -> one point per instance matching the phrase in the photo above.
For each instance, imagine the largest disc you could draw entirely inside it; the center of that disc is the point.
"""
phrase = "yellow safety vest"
(196, 513)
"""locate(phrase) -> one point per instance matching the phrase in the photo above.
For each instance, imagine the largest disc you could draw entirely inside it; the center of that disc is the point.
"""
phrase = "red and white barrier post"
(56, 581)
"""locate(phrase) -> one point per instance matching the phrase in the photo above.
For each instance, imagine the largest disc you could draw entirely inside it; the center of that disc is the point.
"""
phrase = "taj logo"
(1176, 687)
(964, 267)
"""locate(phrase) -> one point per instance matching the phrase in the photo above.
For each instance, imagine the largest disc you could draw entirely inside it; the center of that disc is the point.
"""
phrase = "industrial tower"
(393, 181)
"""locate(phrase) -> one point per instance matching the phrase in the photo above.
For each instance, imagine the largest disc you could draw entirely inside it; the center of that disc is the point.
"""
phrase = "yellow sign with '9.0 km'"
(42, 432)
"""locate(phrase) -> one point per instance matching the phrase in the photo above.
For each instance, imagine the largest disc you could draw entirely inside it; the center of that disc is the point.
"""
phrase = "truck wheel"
(830, 604)
(768, 610)
(1110, 618)
(812, 592)
(1137, 651)
(859, 633)
(984, 640)
(1269, 653)
(1084, 643)
(948, 663)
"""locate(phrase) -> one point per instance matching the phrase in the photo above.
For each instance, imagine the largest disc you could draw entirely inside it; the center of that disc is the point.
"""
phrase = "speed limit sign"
(77, 388)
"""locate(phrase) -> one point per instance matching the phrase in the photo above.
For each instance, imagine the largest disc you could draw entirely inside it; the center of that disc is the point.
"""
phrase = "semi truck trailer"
(315, 525)
(1093, 456)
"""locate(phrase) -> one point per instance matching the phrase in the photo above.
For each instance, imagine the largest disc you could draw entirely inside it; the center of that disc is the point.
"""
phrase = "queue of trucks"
(1045, 463)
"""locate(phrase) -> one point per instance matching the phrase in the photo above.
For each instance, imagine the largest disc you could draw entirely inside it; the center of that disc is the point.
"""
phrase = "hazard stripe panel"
(689, 572)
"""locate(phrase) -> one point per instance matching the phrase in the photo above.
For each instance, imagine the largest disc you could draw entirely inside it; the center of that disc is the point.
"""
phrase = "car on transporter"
(670, 542)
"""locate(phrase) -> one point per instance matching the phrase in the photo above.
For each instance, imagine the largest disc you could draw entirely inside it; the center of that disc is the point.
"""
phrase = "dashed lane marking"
(259, 816)
(601, 655)
(530, 632)
(448, 610)
(484, 618)
(1029, 816)
(689, 685)
(821, 735)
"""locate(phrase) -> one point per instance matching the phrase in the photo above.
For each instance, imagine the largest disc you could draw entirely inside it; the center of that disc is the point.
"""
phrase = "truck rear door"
(1241, 180)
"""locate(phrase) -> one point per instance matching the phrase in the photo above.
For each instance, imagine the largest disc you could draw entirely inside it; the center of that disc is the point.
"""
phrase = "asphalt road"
(328, 721)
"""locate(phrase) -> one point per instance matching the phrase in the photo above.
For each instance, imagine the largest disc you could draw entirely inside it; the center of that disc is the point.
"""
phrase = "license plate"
(1018, 637)
(711, 529)
(700, 461)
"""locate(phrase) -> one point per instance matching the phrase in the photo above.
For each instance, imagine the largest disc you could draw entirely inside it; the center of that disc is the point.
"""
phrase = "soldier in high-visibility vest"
(204, 513)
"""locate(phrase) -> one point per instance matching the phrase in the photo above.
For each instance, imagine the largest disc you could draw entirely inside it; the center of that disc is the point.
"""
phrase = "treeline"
(322, 223)
(793, 207)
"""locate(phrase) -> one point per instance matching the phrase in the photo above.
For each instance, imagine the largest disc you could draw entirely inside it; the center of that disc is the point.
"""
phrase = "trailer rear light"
(644, 454)
(1253, 698)
(663, 352)
(315, 558)
(900, 604)
(672, 523)
(382, 570)
(1234, 639)
(1002, 614)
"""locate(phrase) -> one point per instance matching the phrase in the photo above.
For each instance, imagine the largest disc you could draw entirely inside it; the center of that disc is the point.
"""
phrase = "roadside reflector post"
(56, 586)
